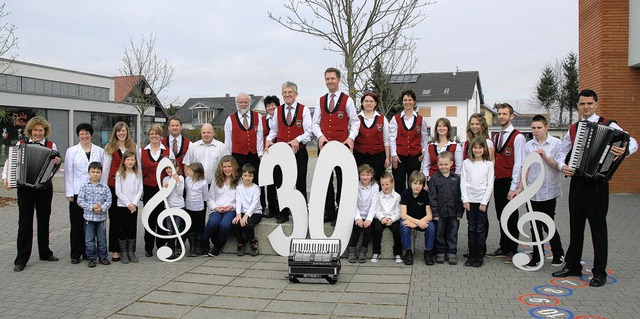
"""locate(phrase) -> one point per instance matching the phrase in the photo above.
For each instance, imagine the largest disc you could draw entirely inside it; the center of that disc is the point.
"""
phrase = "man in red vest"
(268, 193)
(509, 149)
(243, 134)
(292, 125)
(177, 144)
(588, 199)
(335, 119)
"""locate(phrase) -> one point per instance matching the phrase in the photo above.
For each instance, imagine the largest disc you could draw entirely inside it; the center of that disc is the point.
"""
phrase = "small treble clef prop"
(528, 192)
(165, 252)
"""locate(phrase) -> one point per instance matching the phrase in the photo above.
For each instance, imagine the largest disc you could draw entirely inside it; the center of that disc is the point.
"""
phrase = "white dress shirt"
(175, 199)
(208, 155)
(476, 181)
(221, 196)
(197, 194)
(393, 132)
(76, 167)
(551, 188)
(228, 131)
(129, 189)
(388, 206)
(248, 200)
(354, 121)
(305, 137)
(367, 201)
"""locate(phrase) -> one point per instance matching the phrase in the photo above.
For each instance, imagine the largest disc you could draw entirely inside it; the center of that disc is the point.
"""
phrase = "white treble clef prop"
(528, 192)
(333, 154)
(165, 252)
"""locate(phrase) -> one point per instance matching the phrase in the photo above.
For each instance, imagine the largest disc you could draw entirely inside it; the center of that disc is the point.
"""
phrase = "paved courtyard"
(256, 287)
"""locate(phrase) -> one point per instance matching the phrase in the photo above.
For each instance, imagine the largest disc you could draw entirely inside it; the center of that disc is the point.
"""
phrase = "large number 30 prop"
(333, 154)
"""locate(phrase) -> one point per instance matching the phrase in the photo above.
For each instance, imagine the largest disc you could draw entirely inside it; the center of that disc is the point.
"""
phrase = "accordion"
(314, 258)
(591, 155)
(31, 165)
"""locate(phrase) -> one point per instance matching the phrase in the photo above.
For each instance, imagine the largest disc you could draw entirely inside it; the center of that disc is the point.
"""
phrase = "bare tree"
(146, 73)
(362, 31)
(8, 39)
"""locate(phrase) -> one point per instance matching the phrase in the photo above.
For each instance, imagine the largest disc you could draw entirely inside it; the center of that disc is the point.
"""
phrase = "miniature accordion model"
(591, 155)
(31, 165)
(314, 258)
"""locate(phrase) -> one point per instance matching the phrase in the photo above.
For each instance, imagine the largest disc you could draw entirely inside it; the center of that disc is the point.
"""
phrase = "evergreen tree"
(569, 96)
(547, 89)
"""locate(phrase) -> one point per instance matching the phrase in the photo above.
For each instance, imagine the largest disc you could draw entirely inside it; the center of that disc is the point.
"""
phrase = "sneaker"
(374, 258)
(240, 251)
(105, 261)
(254, 247)
(440, 258)
(398, 259)
(91, 264)
(532, 264)
(215, 251)
(453, 259)
(557, 260)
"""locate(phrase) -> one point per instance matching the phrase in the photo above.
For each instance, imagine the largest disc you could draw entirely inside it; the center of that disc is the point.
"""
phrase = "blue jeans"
(429, 236)
(477, 222)
(447, 235)
(220, 222)
(93, 230)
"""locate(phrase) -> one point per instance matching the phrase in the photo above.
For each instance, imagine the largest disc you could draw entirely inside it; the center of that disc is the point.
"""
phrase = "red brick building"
(610, 65)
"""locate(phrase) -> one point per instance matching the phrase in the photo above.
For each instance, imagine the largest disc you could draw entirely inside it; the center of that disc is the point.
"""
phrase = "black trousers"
(378, 228)
(500, 191)
(197, 220)
(128, 222)
(376, 161)
(115, 224)
(548, 207)
(588, 200)
(246, 233)
(302, 161)
(355, 235)
(401, 174)
(76, 234)
(150, 239)
(333, 194)
(28, 200)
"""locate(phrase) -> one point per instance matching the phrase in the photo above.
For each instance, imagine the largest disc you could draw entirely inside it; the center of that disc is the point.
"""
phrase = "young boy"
(545, 199)
(95, 198)
(446, 205)
(248, 211)
(416, 214)
(365, 212)
(387, 216)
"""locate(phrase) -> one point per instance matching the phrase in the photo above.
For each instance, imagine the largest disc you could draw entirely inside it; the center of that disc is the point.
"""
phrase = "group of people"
(431, 184)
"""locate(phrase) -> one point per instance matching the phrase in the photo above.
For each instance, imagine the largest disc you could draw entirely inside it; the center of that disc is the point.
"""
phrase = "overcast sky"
(220, 47)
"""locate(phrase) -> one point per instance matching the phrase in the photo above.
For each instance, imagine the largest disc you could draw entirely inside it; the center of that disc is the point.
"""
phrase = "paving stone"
(207, 270)
(208, 313)
(238, 303)
(262, 283)
(190, 287)
(372, 311)
(177, 298)
(375, 299)
(280, 315)
(265, 273)
(319, 308)
(248, 292)
(203, 278)
(381, 278)
(156, 310)
(310, 296)
(373, 287)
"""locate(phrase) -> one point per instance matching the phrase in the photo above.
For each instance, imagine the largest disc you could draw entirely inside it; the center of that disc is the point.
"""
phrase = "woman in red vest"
(443, 141)
(119, 142)
(150, 156)
(477, 126)
(371, 146)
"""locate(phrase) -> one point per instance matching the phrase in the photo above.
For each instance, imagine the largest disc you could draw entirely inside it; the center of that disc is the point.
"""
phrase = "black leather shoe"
(333, 222)
(598, 281)
(566, 273)
(75, 261)
(283, 219)
(148, 253)
(50, 258)
(18, 268)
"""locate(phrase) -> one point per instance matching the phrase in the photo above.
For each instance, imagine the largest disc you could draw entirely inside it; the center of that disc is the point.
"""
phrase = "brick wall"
(603, 58)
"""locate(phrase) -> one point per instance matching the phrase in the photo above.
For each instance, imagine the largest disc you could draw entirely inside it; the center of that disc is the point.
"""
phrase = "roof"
(439, 86)
(225, 105)
(123, 86)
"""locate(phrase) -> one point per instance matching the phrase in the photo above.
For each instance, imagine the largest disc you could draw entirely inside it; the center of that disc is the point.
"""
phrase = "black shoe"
(408, 257)
(598, 281)
(215, 251)
(557, 260)
(566, 273)
(333, 223)
(91, 264)
(18, 268)
(148, 253)
(105, 261)
(532, 263)
(283, 219)
(115, 259)
(428, 258)
(75, 261)
(498, 253)
(478, 262)
(50, 258)
(254, 246)
(240, 250)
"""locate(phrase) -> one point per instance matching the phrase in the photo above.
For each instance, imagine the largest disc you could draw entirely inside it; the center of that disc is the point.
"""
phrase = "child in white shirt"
(387, 216)
(365, 212)
(248, 211)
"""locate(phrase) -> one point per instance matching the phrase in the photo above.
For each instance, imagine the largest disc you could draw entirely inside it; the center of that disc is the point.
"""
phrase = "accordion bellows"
(31, 165)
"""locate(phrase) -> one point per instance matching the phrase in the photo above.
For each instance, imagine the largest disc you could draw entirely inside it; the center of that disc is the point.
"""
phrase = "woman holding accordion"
(37, 129)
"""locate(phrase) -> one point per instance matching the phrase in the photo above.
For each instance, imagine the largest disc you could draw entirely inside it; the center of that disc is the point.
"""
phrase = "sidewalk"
(256, 287)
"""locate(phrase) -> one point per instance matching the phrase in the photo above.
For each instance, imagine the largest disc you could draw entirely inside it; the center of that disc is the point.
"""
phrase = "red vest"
(574, 127)
(433, 155)
(115, 165)
(266, 128)
(370, 140)
(504, 156)
(149, 166)
(408, 138)
(244, 141)
(465, 150)
(334, 126)
(184, 147)
(287, 132)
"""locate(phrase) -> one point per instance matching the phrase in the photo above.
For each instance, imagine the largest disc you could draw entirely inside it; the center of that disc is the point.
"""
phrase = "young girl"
(476, 185)
(477, 126)
(194, 203)
(128, 189)
(365, 212)
(222, 202)
(175, 200)
(248, 211)
(441, 142)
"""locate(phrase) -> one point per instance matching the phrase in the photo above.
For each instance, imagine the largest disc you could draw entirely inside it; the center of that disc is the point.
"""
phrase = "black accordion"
(314, 258)
(591, 155)
(31, 165)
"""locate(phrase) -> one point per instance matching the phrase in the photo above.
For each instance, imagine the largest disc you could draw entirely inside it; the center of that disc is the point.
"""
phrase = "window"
(454, 131)
(452, 111)
(425, 111)
(426, 92)
(403, 78)
(446, 91)
(206, 116)
(28, 85)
